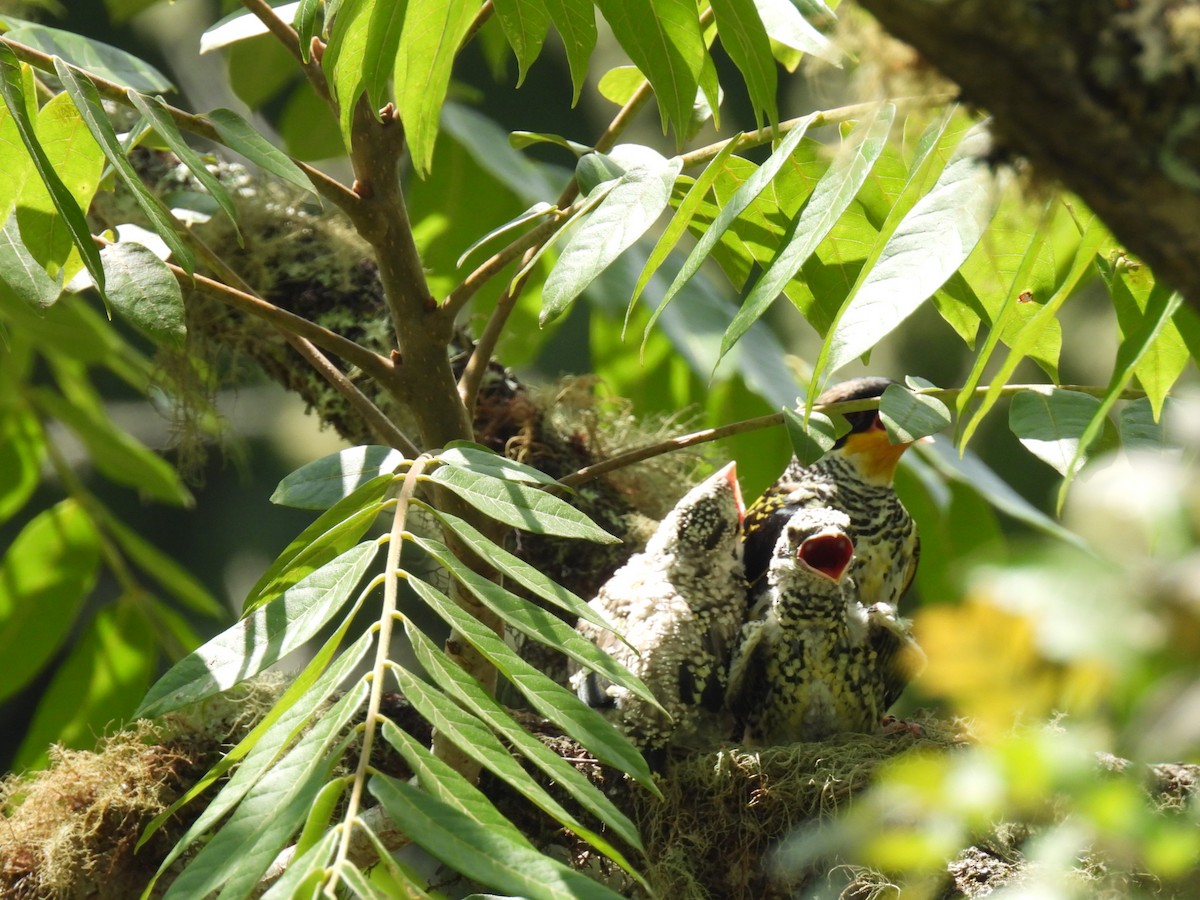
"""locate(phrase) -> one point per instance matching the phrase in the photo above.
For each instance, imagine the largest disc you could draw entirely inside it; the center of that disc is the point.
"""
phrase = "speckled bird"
(856, 478)
(815, 661)
(679, 604)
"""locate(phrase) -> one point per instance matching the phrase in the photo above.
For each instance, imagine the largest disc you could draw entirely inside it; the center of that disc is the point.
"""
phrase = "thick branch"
(287, 36)
(1080, 91)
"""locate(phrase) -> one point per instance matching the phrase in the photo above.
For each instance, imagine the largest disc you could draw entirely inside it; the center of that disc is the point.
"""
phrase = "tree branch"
(640, 454)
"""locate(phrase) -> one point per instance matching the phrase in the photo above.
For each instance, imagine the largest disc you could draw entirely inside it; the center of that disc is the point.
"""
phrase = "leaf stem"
(383, 648)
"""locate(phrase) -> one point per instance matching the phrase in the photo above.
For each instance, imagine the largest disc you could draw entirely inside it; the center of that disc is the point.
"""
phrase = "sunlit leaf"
(575, 22)
(262, 638)
(745, 40)
(325, 481)
(1050, 424)
(87, 101)
(787, 26)
(632, 205)
(94, 57)
(926, 248)
(433, 30)
(753, 186)
(477, 847)
(99, 682)
(813, 439)
(663, 39)
(22, 447)
(553, 701)
(908, 416)
(828, 201)
(240, 852)
(144, 291)
(238, 135)
(21, 273)
(518, 505)
(525, 23)
(12, 88)
(45, 575)
(477, 458)
(469, 692)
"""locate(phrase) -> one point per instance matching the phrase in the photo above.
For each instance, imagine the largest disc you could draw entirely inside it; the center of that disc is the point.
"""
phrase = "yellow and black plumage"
(814, 661)
(679, 604)
(856, 478)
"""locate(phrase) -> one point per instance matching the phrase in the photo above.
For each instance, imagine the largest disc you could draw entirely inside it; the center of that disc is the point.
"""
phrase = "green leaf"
(246, 845)
(518, 570)
(241, 26)
(1050, 424)
(475, 844)
(665, 42)
(576, 25)
(13, 90)
(537, 211)
(813, 439)
(928, 245)
(828, 201)
(1135, 295)
(1139, 427)
(1160, 309)
(619, 84)
(745, 195)
(477, 458)
(98, 683)
(332, 533)
(155, 112)
(144, 291)
(45, 576)
(22, 446)
(87, 100)
(680, 220)
(21, 273)
(92, 56)
(475, 740)
(262, 638)
(176, 580)
(633, 204)
(785, 25)
(516, 504)
(322, 483)
(115, 453)
(306, 871)
(238, 135)
(307, 24)
(1094, 237)
(909, 417)
(259, 750)
(535, 622)
(553, 701)
(745, 40)
(525, 23)
(472, 695)
(433, 30)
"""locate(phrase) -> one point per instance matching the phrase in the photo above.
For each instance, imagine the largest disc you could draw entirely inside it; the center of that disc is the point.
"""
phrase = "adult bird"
(815, 661)
(856, 478)
(679, 604)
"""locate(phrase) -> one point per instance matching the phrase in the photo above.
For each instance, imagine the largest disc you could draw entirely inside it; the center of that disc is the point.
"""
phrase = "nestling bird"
(814, 661)
(855, 477)
(679, 604)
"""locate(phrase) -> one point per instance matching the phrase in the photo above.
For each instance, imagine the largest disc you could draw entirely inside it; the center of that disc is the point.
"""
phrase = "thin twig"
(481, 17)
(329, 188)
(374, 365)
(481, 353)
(640, 454)
(287, 36)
